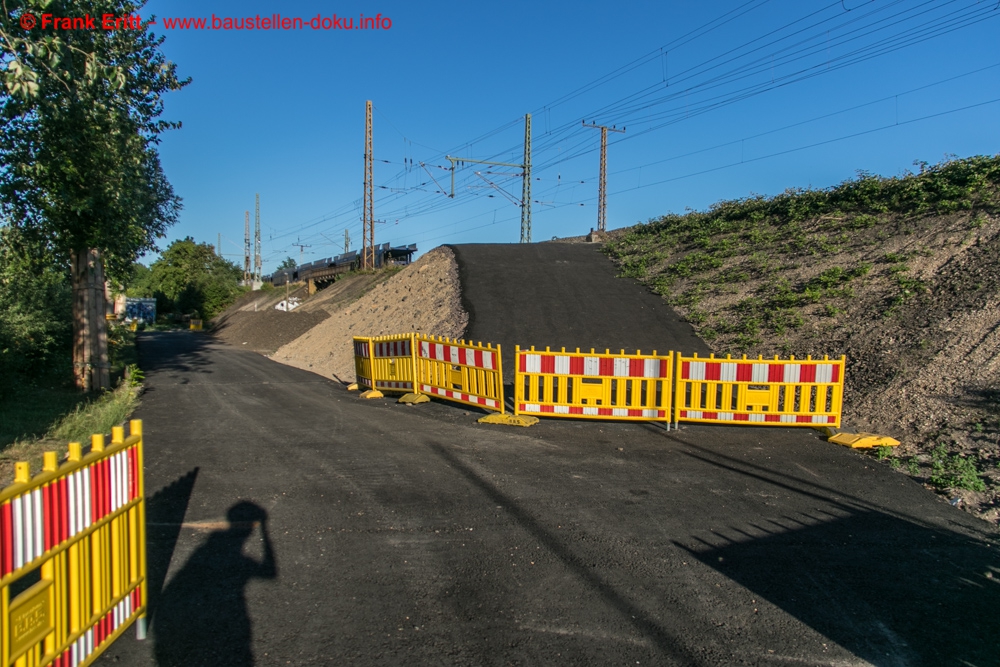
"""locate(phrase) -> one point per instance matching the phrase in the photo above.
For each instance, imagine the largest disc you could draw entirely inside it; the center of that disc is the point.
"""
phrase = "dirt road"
(294, 524)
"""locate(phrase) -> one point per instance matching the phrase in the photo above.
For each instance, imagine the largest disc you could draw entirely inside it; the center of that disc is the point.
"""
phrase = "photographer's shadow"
(201, 617)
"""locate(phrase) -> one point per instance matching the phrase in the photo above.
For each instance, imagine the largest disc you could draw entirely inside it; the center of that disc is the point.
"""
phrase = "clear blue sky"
(720, 100)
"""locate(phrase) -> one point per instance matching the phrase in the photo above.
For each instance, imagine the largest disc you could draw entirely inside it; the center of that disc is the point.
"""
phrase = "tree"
(287, 263)
(80, 176)
(189, 278)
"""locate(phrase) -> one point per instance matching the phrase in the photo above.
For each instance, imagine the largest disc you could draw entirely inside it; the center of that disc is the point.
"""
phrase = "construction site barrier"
(593, 385)
(792, 392)
(363, 362)
(459, 371)
(392, 362)
(73, 554)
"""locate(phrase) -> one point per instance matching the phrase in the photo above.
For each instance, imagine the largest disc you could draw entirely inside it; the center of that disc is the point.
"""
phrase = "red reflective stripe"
(635, 413)
(548, 363)
(709, 415)
(831, 419)
(803, 419)
(522, 362)
(6, 539)
(772, 418)
(607, 366)
(663, 368)
(685, 370)
(548, 408)
(94, 485)
(836, 372)
(48, 517)
(479, 359)
(713, 370)
(63, 509)
(740, 416)
(637, 367)
(576, 365)
(807, 373)
(776, 373)
(744, 372)
(575, 410)
(604, 412)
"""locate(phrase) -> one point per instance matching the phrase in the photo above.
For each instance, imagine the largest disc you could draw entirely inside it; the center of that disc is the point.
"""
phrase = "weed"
(954, 472)
(830, 310)
(977, 427)
(862, 221)
(883, 453)
(913, 467)
(893, 257)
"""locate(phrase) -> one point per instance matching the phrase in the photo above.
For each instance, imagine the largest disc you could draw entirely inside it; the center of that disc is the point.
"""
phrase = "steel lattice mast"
(368, 227)
(256, 242)
(246, 249)
(602, 188)
(526, 184)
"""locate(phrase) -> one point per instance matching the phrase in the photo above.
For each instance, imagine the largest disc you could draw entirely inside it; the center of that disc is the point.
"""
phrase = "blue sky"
(720, 100)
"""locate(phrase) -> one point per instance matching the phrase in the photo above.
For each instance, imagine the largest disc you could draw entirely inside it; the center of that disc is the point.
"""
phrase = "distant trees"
(287, 263)
(188, 278)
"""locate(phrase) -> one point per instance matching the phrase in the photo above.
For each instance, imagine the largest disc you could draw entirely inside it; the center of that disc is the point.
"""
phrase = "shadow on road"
(201, 617)
(671, 647)
(176, 351)
(165, 512)
(888, 589)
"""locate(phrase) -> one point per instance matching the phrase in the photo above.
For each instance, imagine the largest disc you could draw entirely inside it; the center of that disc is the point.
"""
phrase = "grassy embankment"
(893, 272)
(45, 413)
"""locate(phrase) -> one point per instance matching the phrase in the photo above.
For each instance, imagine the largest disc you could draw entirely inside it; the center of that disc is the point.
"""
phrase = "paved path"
(412, 535)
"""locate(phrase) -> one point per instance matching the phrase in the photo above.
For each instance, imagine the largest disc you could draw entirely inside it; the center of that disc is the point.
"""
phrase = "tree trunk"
(90, 333)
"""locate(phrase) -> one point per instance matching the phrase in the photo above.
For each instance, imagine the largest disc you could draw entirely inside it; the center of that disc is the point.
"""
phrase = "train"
(328, 269)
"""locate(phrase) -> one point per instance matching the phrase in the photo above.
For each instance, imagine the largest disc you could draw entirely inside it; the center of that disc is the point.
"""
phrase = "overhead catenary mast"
(256, 244)
(246, 250)
(368, 216)
(602, 188)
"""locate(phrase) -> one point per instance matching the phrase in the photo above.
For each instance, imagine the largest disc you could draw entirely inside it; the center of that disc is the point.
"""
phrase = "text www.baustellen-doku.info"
(53, 22)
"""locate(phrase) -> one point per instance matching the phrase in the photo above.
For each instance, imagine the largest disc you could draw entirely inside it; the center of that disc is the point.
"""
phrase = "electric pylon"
(347, 242)
(602, 188)
(526, 185)
(246, 250)
(368, 227)
(256, 242)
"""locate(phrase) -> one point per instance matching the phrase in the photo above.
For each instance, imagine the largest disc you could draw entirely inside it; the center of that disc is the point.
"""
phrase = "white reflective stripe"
(727, 372)
(439, 351)
(590, 411)
(591, 366)
(30, 526)
(756, 418)
(75, 652)
(87, 499)
(467, 356)
(651, 368)
(453, 354)
(532, 363)
(696, 370)
(693, 414)
(562, 365)
(113, 481)
(425, 350)
(488, 361)
(792, 372)
(90, 641)
(820, 419)
(16, 508)
(532, 407)
(651, 413)
(621, 368)
(824, 373)
(81, 501)
(39, 523)
(759, 373)
(726, 416)
(787, 419)
(619, 412)
(71, 489)
(561, 409)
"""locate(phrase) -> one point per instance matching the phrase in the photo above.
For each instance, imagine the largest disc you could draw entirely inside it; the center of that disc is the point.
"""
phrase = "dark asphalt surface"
(411, 535)
(562, 295)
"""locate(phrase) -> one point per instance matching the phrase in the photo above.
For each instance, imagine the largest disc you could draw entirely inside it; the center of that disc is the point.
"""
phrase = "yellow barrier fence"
(459, 371)
(363, 362)
(392, 362)
(790, 392)
(593, 385)
(73, 554)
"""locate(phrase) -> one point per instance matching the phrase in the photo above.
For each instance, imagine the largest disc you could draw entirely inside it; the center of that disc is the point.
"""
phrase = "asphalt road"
(371, 533)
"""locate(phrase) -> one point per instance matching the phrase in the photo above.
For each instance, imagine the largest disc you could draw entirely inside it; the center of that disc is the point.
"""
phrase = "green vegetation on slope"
(772, 243)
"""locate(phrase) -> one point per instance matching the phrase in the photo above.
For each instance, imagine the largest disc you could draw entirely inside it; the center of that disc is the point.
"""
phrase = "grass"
(954, 471)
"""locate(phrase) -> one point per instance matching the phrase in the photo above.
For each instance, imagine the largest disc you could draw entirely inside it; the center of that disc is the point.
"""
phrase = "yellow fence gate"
(593, 385)
(790, 392)
(73, 554)
(459, 371)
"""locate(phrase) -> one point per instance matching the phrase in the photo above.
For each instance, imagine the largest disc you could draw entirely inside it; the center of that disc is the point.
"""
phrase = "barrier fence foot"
(352, 387)
(414, 399)
(509, 420)
(140, 628)
(371, 393)
(863, 440)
